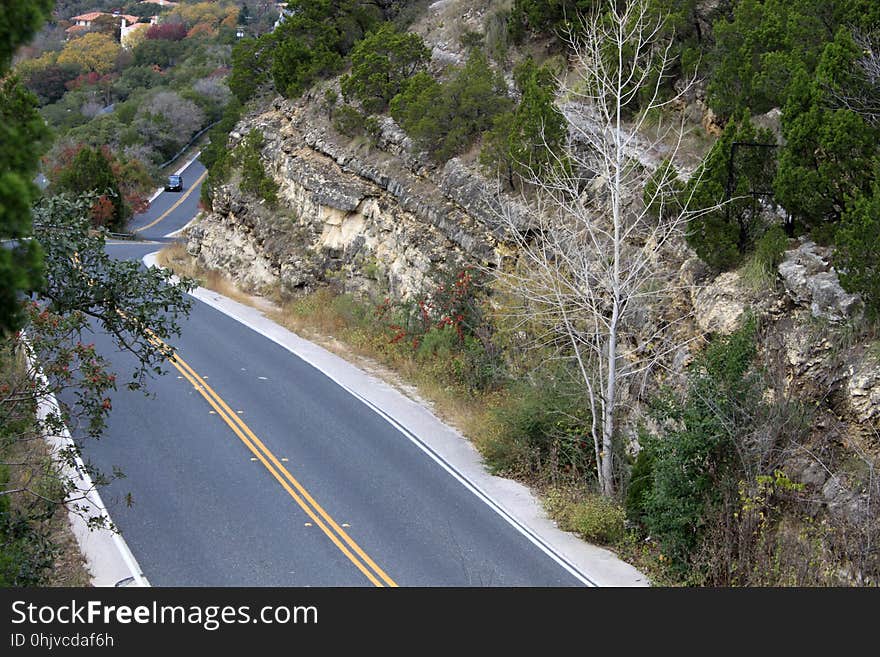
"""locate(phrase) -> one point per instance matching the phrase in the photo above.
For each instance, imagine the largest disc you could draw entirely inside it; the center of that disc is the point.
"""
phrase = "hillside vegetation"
(786, 94)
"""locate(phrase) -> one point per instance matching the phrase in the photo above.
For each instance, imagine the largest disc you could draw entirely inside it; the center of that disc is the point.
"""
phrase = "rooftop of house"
(93, 15)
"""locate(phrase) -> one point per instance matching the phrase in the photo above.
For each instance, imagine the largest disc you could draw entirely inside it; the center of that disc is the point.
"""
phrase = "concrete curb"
(108, 557)
(592, 565)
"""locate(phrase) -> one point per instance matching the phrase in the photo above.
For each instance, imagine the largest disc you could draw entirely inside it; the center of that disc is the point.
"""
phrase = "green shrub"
(641, 482)
(381, 64)
(312, 42)
(599, 519)
(215, 154)
(759, 271)
(858, 257)
(372, 129)
(254, 178)
(528, 140)
(541, 428)
(438, 343)
(595, 518)
(27, 553)
(725, 230)
(350, 310)
(349, 121)
(697, 466)
(770, 248)
(445, 118)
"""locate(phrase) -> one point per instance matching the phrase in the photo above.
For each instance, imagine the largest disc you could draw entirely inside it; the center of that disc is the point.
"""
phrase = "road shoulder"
(446, 446)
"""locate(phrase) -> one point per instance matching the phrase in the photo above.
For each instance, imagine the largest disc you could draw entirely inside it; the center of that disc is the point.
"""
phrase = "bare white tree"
(589, 265)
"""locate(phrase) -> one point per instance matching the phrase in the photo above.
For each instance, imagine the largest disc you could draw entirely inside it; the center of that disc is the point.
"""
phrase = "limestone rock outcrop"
(811, 281)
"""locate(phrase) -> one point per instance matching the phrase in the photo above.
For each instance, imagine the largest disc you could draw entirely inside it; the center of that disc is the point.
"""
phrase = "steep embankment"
(370, 216)
(362, 217)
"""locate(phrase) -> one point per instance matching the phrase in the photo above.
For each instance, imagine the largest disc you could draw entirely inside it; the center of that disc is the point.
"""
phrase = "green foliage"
(722, 232)
(641, 483)
(857, 257)
(447, 327)
(547, 16)
(445, 118)
(599, 519)
(254, 179)
(19, 21)
(409, 106)
(27, 552)
(295, 65)
(349, 121)
(381, 64)
(23, 137)
(90, 171)
(541, 428)
(215, 154)
(528, 141)
(770, 248)
(124, 298)
(159, 52)
(830, 152)
(313, 40)
(764, 45)
(85, 290)
(595, 518)
(330, 100)
(694, 466)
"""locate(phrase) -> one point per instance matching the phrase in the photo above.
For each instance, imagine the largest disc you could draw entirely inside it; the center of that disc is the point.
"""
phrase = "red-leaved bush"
(167, 31)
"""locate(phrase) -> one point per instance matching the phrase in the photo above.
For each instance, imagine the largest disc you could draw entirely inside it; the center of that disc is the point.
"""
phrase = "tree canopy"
(444, 118)
(23, 137)
(92, 52)
(527, 140)
(381, 64)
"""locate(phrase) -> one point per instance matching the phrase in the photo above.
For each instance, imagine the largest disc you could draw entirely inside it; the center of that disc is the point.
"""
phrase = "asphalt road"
(249, 467)
(171, 211)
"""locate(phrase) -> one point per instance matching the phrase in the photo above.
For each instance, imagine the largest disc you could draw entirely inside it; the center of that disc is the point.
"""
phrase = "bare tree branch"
(593, 258)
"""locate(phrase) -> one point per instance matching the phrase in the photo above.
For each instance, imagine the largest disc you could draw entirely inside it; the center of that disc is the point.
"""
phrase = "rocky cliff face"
(819, 350)
(367, 218)
(377, 218)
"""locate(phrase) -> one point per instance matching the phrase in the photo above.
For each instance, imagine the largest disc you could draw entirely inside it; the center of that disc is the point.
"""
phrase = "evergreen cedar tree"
(23, 135)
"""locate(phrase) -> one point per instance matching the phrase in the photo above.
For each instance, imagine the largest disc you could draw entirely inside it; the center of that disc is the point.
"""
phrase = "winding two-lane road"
(249, 467)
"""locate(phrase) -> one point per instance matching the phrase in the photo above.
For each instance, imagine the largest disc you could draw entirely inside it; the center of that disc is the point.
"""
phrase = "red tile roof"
(92, 15)
(89, 17)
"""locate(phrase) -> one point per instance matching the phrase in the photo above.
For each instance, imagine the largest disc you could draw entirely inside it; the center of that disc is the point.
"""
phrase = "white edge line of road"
(180, 230)
(109, 559)
(447, 447)
(176, 173)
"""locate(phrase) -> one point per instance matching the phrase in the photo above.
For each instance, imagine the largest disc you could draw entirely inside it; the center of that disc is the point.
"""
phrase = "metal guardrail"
(189, 143)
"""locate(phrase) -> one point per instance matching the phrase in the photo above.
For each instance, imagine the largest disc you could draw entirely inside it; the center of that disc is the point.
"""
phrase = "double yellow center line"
(192, 188)
(300, 495)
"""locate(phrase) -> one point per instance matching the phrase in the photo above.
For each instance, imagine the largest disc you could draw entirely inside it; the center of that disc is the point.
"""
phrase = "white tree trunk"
(592, 252)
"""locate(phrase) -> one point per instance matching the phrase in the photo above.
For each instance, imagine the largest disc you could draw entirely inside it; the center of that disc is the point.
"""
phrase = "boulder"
(811, 281)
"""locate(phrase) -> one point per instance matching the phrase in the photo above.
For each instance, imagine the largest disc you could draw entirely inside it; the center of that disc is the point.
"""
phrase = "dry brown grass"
(36, 472)
(320, 318)
(70, 566)
(175, 258)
